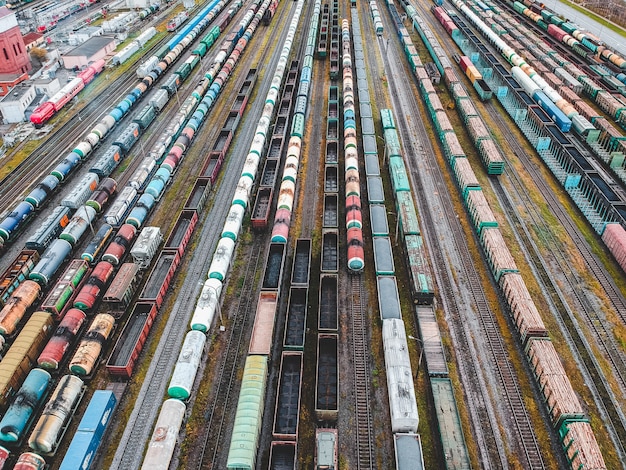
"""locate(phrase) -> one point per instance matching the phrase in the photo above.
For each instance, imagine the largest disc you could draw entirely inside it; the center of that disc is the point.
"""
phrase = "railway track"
(360, 363)
(41, 161)
(214, 436)
(606, 400)
(484, 421)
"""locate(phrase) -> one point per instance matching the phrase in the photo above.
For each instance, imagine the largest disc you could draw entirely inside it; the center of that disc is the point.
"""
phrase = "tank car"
(187, 365)
(18, 418)
(57, 413)
(90, 347)
(63, 337)
(94, 287)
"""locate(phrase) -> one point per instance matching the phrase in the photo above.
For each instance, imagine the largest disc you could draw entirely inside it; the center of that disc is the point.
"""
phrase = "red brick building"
(14, 60)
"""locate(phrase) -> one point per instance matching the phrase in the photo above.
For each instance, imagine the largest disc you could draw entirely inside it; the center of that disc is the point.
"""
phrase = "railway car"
(164, 437)
(108, 162)
(56, 415)
(61, 295)
(88, 436)
(186, 366)
(78, 225)
(95, 286)
(131, 341)
(16, 273)
(50, 261)
(81, 192)
(116, 214)
(49, 229)
(12, 223)
(102, 194)
(62, 339)
(90, 347)
(327, 379)
(207, 305)
(326, 448)
(30, 461)
(120, 293)
(17, 305)
(116, 250)
(22, 354)
(42, 191)
(245, 436)
(402, 402)
(97, 242)
(17, 420)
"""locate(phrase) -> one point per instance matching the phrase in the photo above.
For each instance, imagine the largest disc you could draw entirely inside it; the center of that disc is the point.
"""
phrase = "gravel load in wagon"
(327, 387)
(383, 256)
(378, 219)
(263, 328)
(408, 451)
(331, 216)
(375, 193)
(301, 262)
(327, 319)
(288, 401)
(331, 184)
(330, 254)
(274, 267)
(295, 327)
(388, 298)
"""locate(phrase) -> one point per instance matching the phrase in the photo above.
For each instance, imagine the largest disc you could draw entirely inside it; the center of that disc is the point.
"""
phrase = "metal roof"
(90, 46)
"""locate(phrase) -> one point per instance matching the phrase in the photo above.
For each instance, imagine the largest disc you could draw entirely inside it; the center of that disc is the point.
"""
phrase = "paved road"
(613, 39)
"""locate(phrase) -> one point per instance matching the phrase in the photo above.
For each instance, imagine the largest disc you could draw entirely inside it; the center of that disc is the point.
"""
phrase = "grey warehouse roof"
(90, 46)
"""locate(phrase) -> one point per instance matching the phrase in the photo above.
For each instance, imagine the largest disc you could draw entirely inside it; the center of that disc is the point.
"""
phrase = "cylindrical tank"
(11, 223)
(206, 305)
(141, 210)
(222, 258)
(97, 242)
(165, 435)
(51, 260)
(102, 194)
(17, 419)
(78, 224)
(94, 287)
(90, 347)
(232, 226)
(14, 309)
(120, 244)
(30, 461)
(66, 166)
(57, 412)
(187, 365)
(62, 339)
(40, 194)
(356, 256)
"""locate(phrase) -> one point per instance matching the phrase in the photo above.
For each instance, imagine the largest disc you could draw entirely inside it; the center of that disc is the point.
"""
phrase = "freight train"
(566, 412)
(166, 56)
(170, 419)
